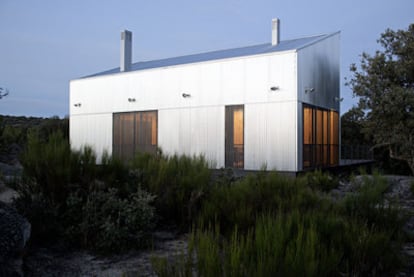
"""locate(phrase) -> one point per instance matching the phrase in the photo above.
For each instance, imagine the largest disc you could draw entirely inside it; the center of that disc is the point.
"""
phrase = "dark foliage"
(384, 84)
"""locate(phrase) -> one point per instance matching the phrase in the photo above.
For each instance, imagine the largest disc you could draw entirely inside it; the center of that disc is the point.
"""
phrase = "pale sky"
(46, 43)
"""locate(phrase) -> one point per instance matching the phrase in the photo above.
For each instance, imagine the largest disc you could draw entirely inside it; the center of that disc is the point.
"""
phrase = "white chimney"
(126, 51)
(275, 31)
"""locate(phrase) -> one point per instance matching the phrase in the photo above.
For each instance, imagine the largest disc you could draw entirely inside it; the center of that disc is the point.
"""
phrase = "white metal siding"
(318, 68)
(270, 136)
(234, 81)
(195, 125)
(192, 132)
(94, 130)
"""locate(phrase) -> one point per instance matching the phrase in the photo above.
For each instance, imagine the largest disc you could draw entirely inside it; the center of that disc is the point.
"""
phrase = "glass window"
(320, 137)
(134, 131)
(234, 140)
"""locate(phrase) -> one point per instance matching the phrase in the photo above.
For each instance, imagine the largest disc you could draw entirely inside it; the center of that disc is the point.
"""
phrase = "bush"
(283, 245)
(267, 225)
(319, 180)
(180, 183)
(369, 205)
(240, 202)
(49, 165)
(67, 196)
(108, 222)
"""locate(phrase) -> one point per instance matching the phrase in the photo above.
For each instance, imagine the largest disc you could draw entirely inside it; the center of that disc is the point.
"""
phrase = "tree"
(384, 84)
(3, 92)
(351, 128)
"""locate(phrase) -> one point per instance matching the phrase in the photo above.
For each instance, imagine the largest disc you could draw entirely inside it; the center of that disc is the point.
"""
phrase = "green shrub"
(370, 251)
(285, 245)
(180, 183)
(48, 164)
(267, 225)
(290, 244)
(12, 134)
(369, 205)
(40, 212)
(319, 180)
(67, 196)
(240, 202)
(110, 223)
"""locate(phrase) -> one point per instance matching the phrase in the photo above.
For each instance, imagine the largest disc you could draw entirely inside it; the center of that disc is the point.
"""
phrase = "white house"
(273, 104)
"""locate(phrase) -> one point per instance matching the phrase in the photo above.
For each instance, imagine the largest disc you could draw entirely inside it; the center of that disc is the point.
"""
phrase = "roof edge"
(325, 36)
(318, 38)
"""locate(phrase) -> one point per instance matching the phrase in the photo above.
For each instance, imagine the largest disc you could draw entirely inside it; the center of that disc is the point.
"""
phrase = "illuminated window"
(134, 131)
(320, 137)
(234, 140)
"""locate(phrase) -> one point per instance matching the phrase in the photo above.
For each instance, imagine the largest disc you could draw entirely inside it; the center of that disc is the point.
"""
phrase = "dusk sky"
(46, 43)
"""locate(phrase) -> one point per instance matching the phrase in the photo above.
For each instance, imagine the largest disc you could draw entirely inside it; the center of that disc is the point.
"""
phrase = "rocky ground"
(47, 262)
(60, 262)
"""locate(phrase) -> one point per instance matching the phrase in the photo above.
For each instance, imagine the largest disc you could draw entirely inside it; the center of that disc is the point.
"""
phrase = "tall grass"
(239, 203)
(67, 196)
(261, 225)
(268, 225)
(108, 206)
(180, 183)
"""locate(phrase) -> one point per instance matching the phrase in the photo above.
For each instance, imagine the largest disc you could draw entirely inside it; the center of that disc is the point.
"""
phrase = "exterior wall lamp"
(309, 90)
(186, 95)
(338, 99)
(77, 105)
(131, 100)
(274, 88)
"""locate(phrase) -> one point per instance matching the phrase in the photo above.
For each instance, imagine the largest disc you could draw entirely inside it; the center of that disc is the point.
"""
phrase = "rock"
(10, 155)
(10, 170)
(14, 234)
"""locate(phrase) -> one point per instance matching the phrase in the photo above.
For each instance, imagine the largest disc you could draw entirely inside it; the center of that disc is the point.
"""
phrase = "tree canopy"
(3, 92)
(384, 83)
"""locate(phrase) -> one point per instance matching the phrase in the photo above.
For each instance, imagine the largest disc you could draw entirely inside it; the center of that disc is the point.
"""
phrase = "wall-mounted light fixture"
(77, 105)
(308, 90)
(338, 99)
(185, 95)
(274, 88)
(131, 100)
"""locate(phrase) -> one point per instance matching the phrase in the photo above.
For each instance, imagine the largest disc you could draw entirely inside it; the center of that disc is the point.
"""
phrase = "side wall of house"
(196, 124)
(318, 80)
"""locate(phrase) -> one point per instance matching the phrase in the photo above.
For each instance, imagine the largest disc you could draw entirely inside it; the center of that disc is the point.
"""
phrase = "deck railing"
(356, 152)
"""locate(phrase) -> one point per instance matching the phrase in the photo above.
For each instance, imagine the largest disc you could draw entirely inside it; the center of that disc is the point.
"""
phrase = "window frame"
(136, 135)
(321, 149)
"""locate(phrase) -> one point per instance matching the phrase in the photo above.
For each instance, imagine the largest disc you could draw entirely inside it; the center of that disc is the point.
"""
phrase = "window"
(134, 131)
(234, 140)
(320, 137)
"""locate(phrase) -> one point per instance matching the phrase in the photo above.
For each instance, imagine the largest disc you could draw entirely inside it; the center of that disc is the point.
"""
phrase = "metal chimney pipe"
(275, 31)
(126, 51)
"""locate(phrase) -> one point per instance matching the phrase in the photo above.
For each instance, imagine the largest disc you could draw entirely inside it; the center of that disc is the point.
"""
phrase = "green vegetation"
(107, 207)
(384, 84)
(268, 225)
(66, 195)
(14, 131)
(179, 182)
(263, 224)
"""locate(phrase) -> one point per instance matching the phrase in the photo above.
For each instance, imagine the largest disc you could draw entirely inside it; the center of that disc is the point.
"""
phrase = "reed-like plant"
(180, 183)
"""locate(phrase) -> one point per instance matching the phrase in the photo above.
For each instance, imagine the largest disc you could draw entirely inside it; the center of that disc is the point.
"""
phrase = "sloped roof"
(286, 45)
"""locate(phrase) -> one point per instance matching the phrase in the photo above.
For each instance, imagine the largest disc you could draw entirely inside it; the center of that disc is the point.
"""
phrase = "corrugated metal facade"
(196, 124)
